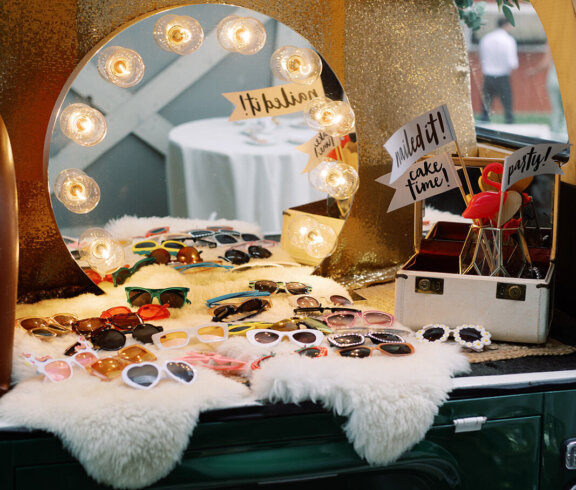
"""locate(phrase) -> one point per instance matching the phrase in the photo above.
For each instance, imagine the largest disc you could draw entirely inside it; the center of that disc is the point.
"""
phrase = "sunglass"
(57, 370)
(108, 338)
(242, 311)
(474, 337)
(145, 312)
(108, 368)
(238, 257)
(350, 318)
(270, 338)
(310, 352)
(296, 322)
(319, 310)
(213, 238)
(174, 297)
(48, 327)
(146, 375)
(120, 276)
(124, 322)
(390, 349)
(213, 361)
(354, 339)
(240, 294)
(175, 339)
(273, 287)
(157, 231)
(307, 301)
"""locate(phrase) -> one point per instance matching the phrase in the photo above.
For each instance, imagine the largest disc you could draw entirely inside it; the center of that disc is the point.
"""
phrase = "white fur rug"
(131, 438)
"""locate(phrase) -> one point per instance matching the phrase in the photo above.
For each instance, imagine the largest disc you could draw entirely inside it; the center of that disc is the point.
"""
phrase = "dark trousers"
(497, 87)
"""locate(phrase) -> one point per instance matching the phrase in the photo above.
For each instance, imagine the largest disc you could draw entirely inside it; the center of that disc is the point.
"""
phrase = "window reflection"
(523, 97)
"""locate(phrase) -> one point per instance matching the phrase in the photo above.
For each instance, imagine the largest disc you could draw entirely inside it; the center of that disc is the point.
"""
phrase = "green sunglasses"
(119, 277)
(174, 297)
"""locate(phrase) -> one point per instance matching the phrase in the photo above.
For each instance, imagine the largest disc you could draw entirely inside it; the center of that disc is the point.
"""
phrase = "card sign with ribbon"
(427, 178)
(273, 101)
(531, 160)
(317, 148)
(419, 137)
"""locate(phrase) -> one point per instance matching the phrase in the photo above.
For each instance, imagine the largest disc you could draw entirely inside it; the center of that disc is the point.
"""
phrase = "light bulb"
(334, 117)
(244, 35)
(298, 65)
(83, 124)
(121, 66)
(337, 179)
(316, 239)
(100, 250)
(77, 191)
(178, 34)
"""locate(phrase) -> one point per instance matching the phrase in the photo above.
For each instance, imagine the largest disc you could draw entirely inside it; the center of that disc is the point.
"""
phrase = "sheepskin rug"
(129, 438)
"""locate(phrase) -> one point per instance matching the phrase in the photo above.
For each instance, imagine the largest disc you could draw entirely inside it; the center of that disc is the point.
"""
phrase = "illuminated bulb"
(316, 239)
(178, 34)
(244, 35)
(334, 117)
(298, 65)
(77, 191)
(121, 66)
(337, 179)
(100, 250)
(83, 124)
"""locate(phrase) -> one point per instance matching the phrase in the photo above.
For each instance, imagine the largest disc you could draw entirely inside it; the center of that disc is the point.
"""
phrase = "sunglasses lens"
(32, 323)
(161, 256)
(259, 252)
(143, 376)
(146, 245)
(432, 334)
(172, 340)
(347, 340)
(377, 318)
(121, 275)
(237, 257)
(380, 337)
(139, 297)
(200, 233)
(222, 312)
(336, 299)
(266, 286)
(358, 352)
(117, 310)
(136, 353)
(396, 349)
(108, 367)
(109, 339)
(125, 321)
(266, 337)
(341, 320)
(172, 247)
(42, 333)
(143, 332)
(212, 333)
(58, 370)
(85, 358)
(304, 337)
(296, 288)
(173, 298)
(239, 329)
(470, 334)
(251, 305)
(89, 325)
(225, 238)
(249, 237)
(182, 371)
(64, 319)
(307, 302)
(310, 352)
(188, 255)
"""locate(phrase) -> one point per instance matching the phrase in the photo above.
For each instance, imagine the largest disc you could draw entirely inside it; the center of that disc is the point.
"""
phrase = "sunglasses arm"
(242, 294)
(185, 267)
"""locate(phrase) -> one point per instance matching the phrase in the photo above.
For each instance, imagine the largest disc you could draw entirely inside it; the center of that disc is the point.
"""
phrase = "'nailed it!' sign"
(273, 101)
(419, 137)
(427, 178)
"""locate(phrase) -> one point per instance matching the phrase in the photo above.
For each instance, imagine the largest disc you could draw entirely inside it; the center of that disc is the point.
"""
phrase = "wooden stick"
(499, 223)
(463, 165)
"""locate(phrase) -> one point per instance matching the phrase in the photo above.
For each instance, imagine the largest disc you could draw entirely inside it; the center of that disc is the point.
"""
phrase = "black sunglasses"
(238, 257)
(246, 309)
(109, 338)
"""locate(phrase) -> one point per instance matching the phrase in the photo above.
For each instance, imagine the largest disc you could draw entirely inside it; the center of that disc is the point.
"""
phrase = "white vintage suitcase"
(430, 289)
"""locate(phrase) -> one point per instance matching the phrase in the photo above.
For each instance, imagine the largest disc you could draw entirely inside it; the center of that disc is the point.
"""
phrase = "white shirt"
(498, 53)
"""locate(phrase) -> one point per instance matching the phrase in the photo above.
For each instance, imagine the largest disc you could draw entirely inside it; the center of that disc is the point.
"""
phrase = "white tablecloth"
(215, 170)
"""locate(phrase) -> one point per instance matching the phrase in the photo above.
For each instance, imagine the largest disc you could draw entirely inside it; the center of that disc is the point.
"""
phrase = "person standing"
(498, 59)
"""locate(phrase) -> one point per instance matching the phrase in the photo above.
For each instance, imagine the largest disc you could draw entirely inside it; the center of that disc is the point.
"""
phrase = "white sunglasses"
(146, 375)
(175, 339)
(270, 338)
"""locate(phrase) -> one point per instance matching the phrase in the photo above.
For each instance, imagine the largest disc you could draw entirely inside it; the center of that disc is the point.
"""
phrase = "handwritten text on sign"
(426, 178)
(531, 160)
(316, 148)
(420, 136)
(273, 101)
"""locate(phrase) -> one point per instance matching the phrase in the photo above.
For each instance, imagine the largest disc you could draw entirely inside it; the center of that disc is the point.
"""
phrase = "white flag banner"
(427, 178)
(531, 160)
(317, 148)
(419, 137)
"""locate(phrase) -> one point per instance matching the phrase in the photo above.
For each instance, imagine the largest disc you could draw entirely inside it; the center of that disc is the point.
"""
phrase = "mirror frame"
(40, 60)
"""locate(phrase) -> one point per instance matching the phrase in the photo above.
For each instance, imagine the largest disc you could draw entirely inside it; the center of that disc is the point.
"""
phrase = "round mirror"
(156, 136)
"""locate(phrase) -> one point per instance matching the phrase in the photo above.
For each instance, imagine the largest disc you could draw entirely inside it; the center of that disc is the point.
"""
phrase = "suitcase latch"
(469, 424)
(515, 292)
(429, 285)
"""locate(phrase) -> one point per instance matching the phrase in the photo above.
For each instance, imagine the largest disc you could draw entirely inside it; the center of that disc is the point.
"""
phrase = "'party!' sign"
(273, 101)
(427, 178)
